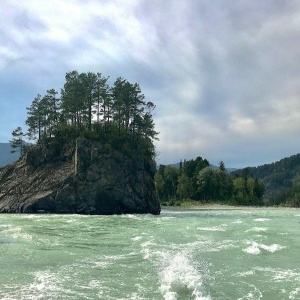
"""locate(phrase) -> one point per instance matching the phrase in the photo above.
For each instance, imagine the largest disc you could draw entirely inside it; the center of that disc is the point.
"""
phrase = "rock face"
(81, 178)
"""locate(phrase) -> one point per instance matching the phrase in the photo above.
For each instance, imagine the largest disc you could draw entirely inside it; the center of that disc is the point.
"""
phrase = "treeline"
(281, 179)
(87, 106)
(195, 180)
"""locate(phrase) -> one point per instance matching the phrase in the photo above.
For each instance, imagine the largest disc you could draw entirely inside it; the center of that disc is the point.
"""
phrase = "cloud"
(225, 76)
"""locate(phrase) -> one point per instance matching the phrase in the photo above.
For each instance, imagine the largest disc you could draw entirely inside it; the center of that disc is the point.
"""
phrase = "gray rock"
(81, 178)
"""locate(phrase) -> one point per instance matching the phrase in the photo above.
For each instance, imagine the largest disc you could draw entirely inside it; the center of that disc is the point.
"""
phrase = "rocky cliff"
(81, 178)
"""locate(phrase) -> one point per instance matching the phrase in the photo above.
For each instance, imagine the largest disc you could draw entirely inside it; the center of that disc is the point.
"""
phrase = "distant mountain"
(6, 157)
(277, 176)
(229, 170)
(177, 165)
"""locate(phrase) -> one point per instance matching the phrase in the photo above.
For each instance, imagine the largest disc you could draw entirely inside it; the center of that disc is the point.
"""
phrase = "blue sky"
(224, 75)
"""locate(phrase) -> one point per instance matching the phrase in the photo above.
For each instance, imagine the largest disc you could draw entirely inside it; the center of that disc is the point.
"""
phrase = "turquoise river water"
(181, 254)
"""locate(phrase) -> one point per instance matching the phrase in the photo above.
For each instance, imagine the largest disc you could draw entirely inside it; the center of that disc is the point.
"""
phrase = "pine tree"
(17, 142)
(35, 119)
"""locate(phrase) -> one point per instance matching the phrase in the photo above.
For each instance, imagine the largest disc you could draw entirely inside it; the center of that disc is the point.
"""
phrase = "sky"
(224, 75)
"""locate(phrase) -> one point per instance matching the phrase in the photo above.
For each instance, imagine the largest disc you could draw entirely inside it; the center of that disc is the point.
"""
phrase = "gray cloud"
(225, 76)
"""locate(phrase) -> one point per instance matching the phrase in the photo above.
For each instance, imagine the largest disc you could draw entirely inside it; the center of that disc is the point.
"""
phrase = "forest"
(118, 116)
(281, 180)
(274, 184)
(195, 180)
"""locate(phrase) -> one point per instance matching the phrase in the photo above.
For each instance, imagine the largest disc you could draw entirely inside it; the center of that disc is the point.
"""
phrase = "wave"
(180, 278)
(5, 225)
(45, 285)
(237, 222)
(213, 228)
(255, 248)
(281, 275)
(131, 216)
(254, 293)
(246, 273)
(257, 229)
(136, 238)
(262, 219)
(295, 294)
(146, 249)
(17, 234)
(272, 248)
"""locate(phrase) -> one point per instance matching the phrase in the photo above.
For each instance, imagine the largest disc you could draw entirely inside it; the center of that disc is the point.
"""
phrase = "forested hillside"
(6, 157)
(281, 180)
(277, 183)
(196, 180)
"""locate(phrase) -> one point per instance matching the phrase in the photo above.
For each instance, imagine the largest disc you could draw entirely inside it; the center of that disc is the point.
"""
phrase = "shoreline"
(225, 207)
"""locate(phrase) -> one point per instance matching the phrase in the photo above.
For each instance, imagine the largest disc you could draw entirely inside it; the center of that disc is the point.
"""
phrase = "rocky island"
(83, 178)
(92, 152)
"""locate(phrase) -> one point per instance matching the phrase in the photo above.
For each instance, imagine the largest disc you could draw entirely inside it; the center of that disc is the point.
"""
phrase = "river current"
(181, 254)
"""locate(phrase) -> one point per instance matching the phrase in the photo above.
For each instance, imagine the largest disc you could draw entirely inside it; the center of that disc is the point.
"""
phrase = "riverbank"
(218, 206)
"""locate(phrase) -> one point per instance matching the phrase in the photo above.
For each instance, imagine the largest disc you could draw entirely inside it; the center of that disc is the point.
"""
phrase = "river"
(181, 254)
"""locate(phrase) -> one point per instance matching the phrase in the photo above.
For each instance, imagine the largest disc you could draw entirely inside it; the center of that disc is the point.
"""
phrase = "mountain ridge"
(279, 176)
(6, 157)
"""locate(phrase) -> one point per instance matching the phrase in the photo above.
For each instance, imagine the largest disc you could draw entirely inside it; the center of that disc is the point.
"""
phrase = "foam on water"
(17, 233)
(295, 294)
(31, 216)
(179, 277)
(261, 219)
(225, 244)
(130, 216)
(246, 273)
(237, 222)
(5, 225)
(257, 229)
(255, 248)
(213, 228)
(279, 275)
(272, 248)
(167, 218)
(101, 264)
(44, 281)
(146, 251)
(284, 275)
(45, 285)
(70, 221)
(134, 296)
(254, 294)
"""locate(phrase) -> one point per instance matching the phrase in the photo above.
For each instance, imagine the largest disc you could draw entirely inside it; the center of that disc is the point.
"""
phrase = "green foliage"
(278, 179)
(17, 142)
(247, 191)
(196, 180)
(288, 196)
(184, 186)
(207, 183)
(215, 184)
(222, 166)
(191, 169)
(117, 116)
